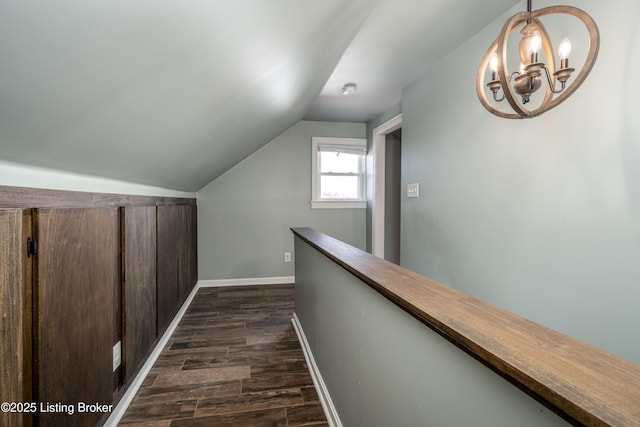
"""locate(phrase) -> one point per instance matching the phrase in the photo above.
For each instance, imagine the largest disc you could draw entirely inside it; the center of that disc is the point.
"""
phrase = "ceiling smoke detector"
(349, 89)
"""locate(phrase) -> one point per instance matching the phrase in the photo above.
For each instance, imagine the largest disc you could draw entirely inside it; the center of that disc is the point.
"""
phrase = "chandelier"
(537, 65)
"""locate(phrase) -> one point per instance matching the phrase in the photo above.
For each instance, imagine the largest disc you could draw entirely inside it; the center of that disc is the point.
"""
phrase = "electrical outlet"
(287, 257)
(117, 355)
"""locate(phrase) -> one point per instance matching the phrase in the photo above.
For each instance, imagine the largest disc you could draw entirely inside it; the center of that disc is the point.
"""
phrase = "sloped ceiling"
(397, 44)
(174, 93)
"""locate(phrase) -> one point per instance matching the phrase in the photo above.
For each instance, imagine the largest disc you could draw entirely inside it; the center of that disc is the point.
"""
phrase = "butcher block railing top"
(581, 383)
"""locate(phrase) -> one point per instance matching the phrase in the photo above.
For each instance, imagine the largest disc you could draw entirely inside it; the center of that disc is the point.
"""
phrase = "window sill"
(338, 204)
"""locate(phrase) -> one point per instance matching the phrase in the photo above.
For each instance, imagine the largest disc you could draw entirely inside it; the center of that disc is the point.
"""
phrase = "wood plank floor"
(234, 360)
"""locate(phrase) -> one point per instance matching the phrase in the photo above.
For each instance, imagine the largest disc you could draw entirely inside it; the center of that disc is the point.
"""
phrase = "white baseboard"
(124, 403)
(246, 282)
(325, 400)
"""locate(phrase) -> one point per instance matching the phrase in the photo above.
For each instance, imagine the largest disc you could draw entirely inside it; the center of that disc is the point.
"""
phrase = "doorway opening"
(387, 143)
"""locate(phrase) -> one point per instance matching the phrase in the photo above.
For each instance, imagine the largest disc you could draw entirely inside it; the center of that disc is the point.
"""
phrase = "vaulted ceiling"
(174, 93)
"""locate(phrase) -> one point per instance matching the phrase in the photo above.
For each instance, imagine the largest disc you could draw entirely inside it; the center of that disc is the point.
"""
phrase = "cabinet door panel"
(167, 217)
(11, 314)
(77, 274)
(139, 285)
(187, 257)
(193, 246)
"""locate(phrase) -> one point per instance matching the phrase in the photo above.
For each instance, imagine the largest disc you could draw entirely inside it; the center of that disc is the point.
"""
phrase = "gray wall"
(19, 175)
(539, 216)
(384, 368)
(244, 216)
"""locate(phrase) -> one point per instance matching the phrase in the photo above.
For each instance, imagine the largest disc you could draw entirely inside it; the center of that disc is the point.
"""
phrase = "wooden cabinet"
(177, 259)
(186, 256)
(103, 273)
(74, 307)
(15, 379)
(138, 285)
(167, 265)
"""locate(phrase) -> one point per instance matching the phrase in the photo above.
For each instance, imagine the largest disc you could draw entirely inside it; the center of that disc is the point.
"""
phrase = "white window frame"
(319, 203)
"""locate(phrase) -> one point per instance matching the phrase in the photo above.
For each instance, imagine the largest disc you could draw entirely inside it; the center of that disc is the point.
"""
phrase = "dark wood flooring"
(234, 360)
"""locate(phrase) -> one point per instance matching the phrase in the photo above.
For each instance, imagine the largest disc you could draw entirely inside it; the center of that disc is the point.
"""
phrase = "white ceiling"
(174, 93)
(398, 43)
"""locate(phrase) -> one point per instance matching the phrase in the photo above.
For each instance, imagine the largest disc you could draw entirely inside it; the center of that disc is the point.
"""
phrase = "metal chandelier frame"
(518, 86)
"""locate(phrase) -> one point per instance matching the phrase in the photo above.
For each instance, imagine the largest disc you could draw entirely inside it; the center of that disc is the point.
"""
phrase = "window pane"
(339, 187)
(339, 162)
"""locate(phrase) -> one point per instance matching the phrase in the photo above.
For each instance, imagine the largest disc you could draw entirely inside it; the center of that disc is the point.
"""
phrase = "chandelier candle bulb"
(494, 67)
(534, 46)
(564, 50)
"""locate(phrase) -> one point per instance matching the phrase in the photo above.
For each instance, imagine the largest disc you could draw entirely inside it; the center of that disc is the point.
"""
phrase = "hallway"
(234, 360)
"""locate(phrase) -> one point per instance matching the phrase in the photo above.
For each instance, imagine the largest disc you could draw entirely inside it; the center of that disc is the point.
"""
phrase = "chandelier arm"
(552, 87)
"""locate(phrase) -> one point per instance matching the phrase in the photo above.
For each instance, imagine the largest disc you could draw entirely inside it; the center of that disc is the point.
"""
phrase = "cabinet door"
(167, 217)
(77, 278)
(139, 285)
(13, 372)
(186, 253)
(193, 246)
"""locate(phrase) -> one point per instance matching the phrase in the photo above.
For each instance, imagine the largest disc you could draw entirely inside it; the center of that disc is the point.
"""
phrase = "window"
(338, 172)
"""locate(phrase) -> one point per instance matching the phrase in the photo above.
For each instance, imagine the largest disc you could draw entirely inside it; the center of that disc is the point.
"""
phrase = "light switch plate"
(117, 355)
(413, 190)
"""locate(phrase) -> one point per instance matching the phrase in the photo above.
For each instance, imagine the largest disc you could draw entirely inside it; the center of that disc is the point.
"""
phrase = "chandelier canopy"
(537, 65)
